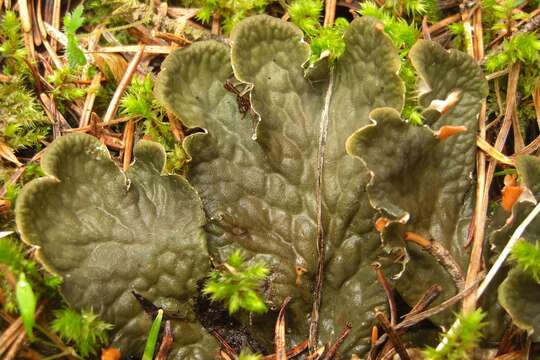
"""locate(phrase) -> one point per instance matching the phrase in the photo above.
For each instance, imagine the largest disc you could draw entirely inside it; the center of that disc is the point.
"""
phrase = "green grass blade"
(151, 341)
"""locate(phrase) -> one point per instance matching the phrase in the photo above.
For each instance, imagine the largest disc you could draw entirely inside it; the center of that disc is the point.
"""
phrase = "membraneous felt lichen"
(285, 196)
(275, 196)
(107, 234)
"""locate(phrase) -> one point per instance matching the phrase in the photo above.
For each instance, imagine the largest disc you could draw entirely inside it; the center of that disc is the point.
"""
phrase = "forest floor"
(90, 68)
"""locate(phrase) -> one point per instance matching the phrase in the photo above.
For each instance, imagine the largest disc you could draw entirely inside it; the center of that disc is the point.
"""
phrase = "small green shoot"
(26, 303)
(12, 255)
(12, 46)
(524, 48)
(24, 122)
(139, 102)
(527, 258)
(230, 12)
(72, 22)
(237, 284)
(248, 355)
(461, 340)
(85, 330)
(152, 339)
(306, 14)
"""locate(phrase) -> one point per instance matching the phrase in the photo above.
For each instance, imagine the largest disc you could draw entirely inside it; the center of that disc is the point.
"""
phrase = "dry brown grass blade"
(295, 351)
(494, 153)
(530, 148)
(484, 184)
(415, 319)
(16, 346)
(54, 57)
(9, 335)
(7, 153)
(536, 99)
(279, 339)
(114, 63)
(113, 105)
(515, 355)
(216, 20)
(56, 12)
(129, 135)
(478, 35)
(89, 101)
(39, 19)
(24, 16)
(329, 12)
(519, 143)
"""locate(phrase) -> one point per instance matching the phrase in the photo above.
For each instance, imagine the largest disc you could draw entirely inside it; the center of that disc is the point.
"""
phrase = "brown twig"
(148, 49)
(166, 343)
(394, 338)
(295, 351)
(329, 12)
(444, 23)
(415, 319)
(331, 353)
(425, 300)
(389, 293)
(16, 346)
(129, 137)
(443, 256)
(475, 263)
(224, 344)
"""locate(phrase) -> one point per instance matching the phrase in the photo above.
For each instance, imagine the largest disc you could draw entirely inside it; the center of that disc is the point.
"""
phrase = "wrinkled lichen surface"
(321, 153)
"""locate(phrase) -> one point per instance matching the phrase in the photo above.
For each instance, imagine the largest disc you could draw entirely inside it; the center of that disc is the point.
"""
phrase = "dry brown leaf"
(536, 99)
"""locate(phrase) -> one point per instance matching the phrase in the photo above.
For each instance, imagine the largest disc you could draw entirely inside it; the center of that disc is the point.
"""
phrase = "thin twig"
(389, 293)
(475, 263)
(394, 338)
(113, 105)
(425, 300)
(331, 353)
(129, 137)
(499, 262)
(443, 256)
(166, 343)
(295, 351)
(330, 12)
(16, 346)
(224, 344)
(415, 319)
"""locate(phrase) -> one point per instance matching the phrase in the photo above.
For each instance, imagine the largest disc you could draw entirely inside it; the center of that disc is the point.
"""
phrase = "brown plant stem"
(392, 335)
